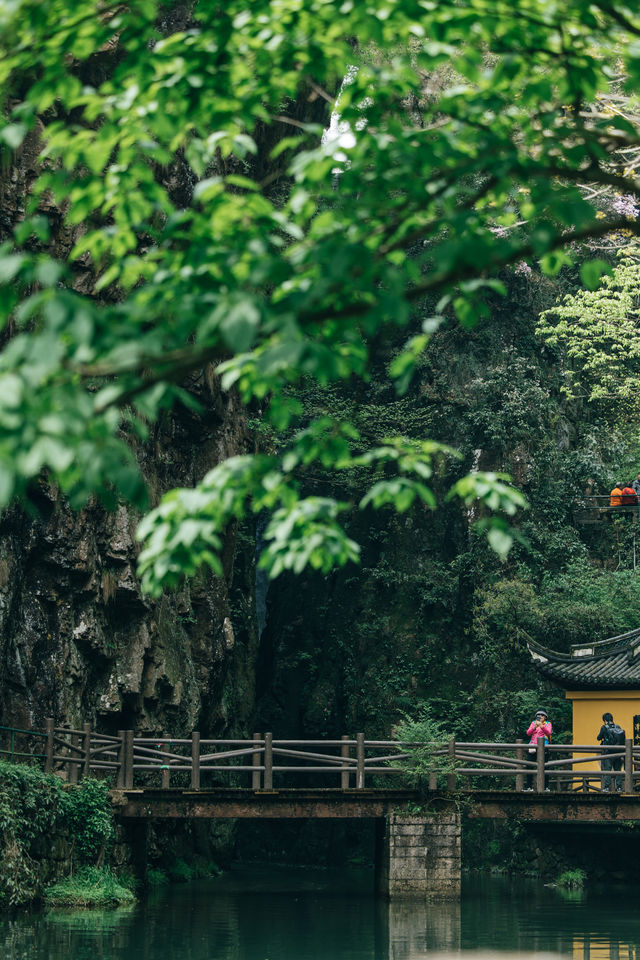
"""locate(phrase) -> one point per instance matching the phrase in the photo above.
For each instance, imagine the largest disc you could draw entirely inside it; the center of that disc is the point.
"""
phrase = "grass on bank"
(572, 879)
(90, 887)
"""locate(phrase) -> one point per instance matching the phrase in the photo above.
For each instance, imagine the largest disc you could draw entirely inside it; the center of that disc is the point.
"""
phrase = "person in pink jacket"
(539, 729)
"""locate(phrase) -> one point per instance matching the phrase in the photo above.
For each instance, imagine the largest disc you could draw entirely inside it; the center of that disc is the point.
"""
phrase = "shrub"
(572, 879)
(128, 880)
(425, 739)
(87, 810)
(157, 878)
(31, 805)
(181, 872)
(206, 868)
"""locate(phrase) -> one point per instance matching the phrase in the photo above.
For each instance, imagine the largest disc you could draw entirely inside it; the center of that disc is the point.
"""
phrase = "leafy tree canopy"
(473, 135)
(599, 331)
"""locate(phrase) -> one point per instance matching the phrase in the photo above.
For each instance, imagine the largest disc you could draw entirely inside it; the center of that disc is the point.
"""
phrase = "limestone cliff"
(78, 640)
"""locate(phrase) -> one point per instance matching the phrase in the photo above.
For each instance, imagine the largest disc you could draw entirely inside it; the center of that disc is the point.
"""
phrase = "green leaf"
(500, 541)
(48, 272)
(592, 271)
(239, 323)
(13, 134)
(201, 218)
(10, 266)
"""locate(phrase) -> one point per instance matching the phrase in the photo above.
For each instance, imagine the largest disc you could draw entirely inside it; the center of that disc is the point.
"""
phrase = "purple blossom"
(627, 205)
(523, 268)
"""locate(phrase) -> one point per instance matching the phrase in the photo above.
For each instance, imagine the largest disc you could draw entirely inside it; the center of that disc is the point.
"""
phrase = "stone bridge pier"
(418, 855)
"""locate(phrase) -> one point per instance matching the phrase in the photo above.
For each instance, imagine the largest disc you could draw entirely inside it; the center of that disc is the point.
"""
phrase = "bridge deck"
(554, 807)
(260, 804)
(348, 804)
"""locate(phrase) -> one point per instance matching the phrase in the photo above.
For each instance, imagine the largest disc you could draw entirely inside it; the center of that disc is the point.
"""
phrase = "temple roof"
(612, 663)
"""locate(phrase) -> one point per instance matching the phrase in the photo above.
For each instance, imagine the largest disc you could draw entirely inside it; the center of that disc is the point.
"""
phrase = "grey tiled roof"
(612, 663)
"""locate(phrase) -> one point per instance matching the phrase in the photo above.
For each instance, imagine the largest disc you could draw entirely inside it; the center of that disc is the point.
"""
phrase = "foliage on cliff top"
(33, 807)
(580, 602)
(466, 138)
(600, 334)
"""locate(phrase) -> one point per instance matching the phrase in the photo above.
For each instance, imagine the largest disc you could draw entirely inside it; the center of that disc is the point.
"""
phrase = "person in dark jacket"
(606, 738)
(636, 486)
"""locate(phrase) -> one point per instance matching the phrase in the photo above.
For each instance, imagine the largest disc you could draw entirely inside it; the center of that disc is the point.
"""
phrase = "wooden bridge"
(263, 766)
(418, 823)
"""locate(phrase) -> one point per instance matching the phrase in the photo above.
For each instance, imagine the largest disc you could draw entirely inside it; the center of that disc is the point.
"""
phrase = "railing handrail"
(587, 497)
(353, 760)
(31, 733)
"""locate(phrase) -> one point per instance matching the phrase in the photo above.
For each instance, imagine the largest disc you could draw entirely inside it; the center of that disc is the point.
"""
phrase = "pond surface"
(259, 912)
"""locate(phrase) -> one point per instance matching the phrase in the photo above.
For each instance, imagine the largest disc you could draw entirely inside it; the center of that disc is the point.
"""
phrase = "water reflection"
(279, 913)
(586, 948)
(594, 924)
(94, 920)
(416, 930)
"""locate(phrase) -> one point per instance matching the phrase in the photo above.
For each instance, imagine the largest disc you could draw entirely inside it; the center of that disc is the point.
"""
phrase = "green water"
(293, 913)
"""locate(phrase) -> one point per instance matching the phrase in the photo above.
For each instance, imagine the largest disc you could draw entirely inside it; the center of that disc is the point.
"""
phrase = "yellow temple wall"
(588, 707)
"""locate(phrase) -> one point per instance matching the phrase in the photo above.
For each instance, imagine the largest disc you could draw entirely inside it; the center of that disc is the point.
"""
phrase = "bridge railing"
(345, 763)
(21, 746)
(561, 767)
(592, 509)
(83, 753)
(349, 763)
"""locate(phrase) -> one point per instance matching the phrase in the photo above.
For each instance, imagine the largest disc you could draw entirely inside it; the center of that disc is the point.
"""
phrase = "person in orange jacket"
(615, 497)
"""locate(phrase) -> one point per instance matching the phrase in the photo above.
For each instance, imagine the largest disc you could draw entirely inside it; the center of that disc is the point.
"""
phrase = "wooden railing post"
(540, 766)
(344, 769)
(268, 761)
(360, 761)
(48, 758)
(86, 737)
(451, 777)
(195, 760)
(166, 777)
(255, 761)
(628, 766)
(433, 780)
(74, 758)
(121, 755)
(520, 759)
(128, 759)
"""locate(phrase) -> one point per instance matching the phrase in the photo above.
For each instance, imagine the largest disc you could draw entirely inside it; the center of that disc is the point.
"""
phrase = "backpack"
(614, 735)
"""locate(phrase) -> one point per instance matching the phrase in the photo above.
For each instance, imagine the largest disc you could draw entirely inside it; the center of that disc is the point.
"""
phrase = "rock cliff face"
(78, 640)
(357, 649)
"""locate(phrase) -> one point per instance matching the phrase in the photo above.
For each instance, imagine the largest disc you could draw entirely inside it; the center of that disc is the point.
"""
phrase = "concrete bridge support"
(418, 928)
(418, 855)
